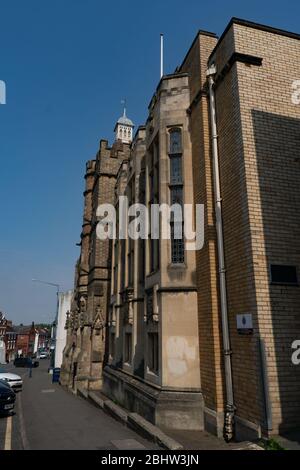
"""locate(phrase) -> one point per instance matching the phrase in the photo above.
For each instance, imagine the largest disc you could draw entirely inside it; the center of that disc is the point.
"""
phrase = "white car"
(43, 355)
(13, 380)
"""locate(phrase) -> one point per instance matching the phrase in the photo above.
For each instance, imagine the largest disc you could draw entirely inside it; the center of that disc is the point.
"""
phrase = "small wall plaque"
(244, 323)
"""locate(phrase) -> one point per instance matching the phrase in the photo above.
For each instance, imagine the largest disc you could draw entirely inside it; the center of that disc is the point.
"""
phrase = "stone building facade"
(222, 131)
(84, 352)
(154, 367)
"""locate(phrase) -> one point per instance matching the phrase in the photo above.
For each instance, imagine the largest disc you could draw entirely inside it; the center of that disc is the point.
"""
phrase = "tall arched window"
(176, 193)
(175, 141)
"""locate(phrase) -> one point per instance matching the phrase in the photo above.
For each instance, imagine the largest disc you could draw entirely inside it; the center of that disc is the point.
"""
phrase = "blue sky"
(67, 65)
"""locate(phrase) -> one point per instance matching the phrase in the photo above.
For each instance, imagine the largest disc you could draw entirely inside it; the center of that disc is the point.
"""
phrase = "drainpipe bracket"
(231, 408)
(227, 352)
(212, 70)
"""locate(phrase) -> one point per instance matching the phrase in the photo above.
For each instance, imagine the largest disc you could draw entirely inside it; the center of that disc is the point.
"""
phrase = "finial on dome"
(123, 102)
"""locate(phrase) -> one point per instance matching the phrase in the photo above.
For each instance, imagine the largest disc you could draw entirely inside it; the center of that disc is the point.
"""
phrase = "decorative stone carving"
(128, 305)
(68, 321)
(71, 319)
(99, 320)
(81, 319)
(151, 311)
(84, 319)
(82, 304)
(75, 319)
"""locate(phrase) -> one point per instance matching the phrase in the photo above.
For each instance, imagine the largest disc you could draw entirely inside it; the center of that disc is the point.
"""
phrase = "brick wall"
(258, 129)
(195, 65)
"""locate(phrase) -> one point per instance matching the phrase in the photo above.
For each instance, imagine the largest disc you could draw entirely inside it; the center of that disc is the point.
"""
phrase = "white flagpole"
(161, 55)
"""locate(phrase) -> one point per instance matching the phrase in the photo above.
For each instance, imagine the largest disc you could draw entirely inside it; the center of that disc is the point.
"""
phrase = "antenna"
(123, 102)
(161, 55)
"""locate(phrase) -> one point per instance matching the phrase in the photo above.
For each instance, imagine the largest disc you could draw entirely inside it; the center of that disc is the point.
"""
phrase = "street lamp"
(53, 332)
(48, 283)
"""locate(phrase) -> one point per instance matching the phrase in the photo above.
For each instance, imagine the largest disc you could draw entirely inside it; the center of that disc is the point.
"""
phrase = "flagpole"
(161, 55)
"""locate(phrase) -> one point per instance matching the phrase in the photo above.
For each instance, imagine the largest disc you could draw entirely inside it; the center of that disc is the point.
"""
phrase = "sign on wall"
(244, 323)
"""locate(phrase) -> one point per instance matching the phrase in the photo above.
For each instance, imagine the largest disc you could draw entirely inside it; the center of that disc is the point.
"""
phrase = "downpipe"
(229, 422)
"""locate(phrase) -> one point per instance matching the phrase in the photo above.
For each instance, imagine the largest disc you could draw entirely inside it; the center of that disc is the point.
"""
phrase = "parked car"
(7, 398)
(25, 362)
(44, 355)
(13, 380)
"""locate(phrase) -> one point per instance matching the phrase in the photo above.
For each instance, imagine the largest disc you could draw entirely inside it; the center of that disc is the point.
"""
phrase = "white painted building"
(36, 342)
(64, 306)
(2, 351)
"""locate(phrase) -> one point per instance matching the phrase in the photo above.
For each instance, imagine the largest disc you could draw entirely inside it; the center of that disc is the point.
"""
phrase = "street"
(48, 417)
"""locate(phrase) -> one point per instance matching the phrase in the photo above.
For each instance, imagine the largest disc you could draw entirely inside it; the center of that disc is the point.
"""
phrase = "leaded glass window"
(176, 170)
(176, 195)
(175, 141)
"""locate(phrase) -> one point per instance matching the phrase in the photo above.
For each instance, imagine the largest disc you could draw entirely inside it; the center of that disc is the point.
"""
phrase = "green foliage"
(272, 444)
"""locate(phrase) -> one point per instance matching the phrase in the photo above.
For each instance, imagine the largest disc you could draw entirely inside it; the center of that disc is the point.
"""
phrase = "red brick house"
(25, 340)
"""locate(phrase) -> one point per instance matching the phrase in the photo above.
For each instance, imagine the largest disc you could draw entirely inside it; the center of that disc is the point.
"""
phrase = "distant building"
(26, 339)
(3, 325)
(43, 339)
(11, 344)
(2, 351)
(3, 328)
(64, 308)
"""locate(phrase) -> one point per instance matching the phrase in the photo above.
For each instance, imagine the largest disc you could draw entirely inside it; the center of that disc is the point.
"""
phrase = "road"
(46, 416)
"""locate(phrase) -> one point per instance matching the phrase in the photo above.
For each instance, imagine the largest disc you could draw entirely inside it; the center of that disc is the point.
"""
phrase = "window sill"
(152, 273)
(289, 284)
(177, 266)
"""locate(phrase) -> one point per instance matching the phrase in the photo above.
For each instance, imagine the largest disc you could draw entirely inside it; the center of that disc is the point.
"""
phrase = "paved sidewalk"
(202, 440)
(174, 439)
(49, 417)
(290, 440)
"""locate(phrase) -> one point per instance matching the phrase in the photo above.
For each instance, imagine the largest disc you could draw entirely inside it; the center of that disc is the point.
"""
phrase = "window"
(128, 348)
(123, 261)
(112, 345)
(175, 141)
(177, 244)
(176, 173)
(116, 255)
(176, 194)
(130, 257)
(154, 199)
(115, 274)
(142, 200)
(130, 244)
(281, 274)
(153, 352)
(149, 304)
(141, 259)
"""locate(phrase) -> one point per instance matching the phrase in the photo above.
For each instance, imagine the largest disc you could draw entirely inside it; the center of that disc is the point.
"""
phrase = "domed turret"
(124, 129)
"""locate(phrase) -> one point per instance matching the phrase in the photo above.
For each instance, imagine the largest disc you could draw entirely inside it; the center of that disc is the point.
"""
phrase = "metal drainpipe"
(229, 427)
